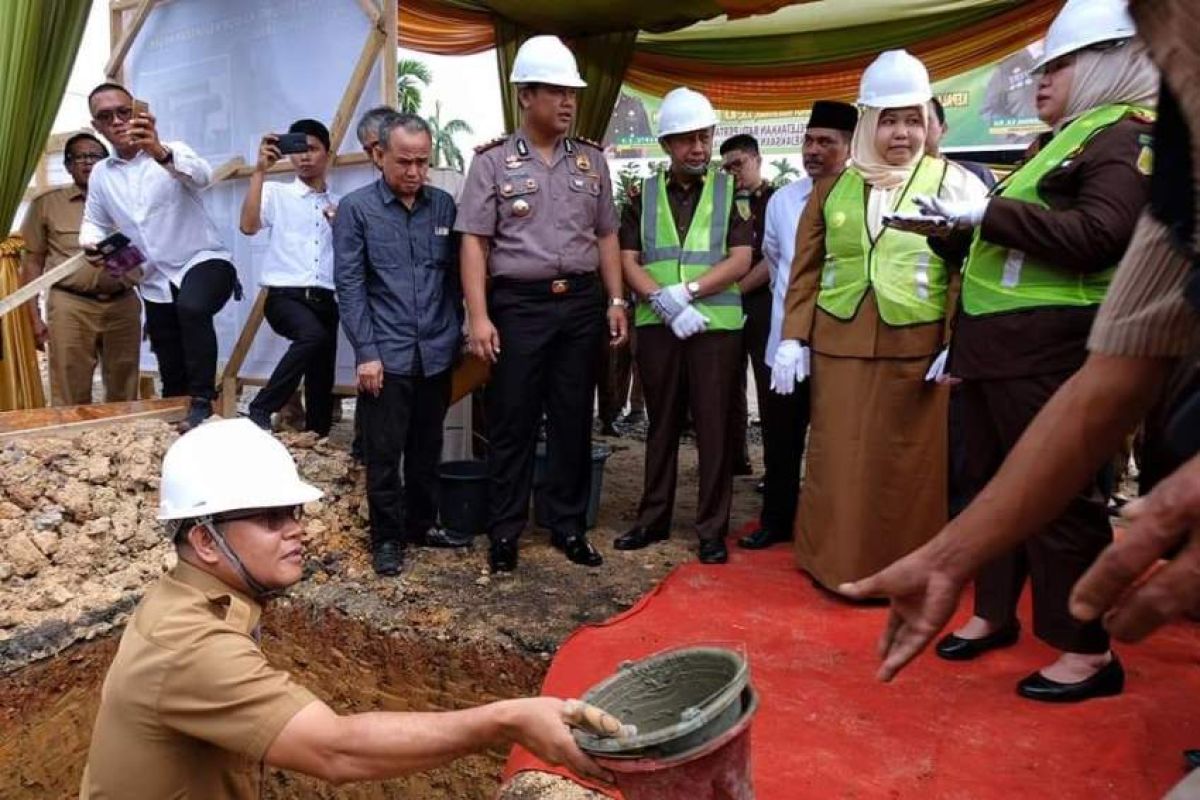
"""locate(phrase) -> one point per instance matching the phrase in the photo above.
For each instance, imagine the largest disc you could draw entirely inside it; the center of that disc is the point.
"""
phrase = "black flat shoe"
(502, 556)
(442, 537)
(580, 551)
(387, 558)
(638, 537)
(1109, 680)
(713, 552)
(761, 539)
(956, 648)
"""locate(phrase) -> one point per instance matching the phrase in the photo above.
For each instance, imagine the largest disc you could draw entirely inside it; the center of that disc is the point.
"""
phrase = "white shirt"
(158, 207)
(779, 247)
(300, 253)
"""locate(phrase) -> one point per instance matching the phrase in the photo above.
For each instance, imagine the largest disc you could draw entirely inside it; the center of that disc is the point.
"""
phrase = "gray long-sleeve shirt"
(396, 272)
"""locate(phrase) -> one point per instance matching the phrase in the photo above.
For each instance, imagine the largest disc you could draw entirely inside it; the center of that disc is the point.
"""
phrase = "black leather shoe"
(502, 556)
(761, 539)
(580, 551)
(634, 418)
(638, 537)
(387, 558)
(761, 486)
(1109, 680)
(1192, 759)
(741, 468)
(199, 410)
(713, 552)
(956, 648)
(260, 418)
(607, 429)
(441, 537)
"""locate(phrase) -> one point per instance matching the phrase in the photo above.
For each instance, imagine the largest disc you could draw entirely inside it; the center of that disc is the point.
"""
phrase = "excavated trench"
(78, 547)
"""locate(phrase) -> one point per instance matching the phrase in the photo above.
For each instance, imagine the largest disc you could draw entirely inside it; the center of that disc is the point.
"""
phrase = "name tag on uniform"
(441, 231)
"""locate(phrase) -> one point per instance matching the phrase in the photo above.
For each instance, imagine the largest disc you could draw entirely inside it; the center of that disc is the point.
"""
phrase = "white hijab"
(1123, 74)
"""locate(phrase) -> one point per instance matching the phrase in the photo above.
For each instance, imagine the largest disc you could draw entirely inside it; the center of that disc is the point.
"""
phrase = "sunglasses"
(273, 519)
(108, 115)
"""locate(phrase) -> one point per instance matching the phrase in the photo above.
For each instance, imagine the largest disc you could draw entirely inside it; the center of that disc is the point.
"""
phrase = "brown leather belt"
(102, 297)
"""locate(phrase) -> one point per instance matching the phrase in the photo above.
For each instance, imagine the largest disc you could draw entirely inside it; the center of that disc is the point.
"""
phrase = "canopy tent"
(753, 55)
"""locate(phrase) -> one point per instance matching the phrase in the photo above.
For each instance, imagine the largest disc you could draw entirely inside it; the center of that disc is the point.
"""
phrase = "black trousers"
(995, 414)
(405, 420)
(181, 332)
(548, 345)
(756, 331)
(785, 425)
(309, 318)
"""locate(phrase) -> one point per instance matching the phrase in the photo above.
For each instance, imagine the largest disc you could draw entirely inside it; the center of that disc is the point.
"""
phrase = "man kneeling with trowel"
(190, 706)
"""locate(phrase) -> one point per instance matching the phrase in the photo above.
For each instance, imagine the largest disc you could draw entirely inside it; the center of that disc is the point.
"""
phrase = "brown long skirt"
(875, 484)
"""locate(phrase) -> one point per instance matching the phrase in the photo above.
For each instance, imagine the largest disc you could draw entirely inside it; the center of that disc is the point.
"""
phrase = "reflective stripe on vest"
(668, 261)
(909, 280)
(997, 279)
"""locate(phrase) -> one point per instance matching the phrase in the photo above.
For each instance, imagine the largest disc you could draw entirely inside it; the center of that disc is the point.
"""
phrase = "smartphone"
(120, 255)
(140, 107)
(292, 143)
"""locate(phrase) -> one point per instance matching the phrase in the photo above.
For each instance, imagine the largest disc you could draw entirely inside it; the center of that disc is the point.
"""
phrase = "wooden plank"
(117, 60)
(43, 281)
(246, 337)
(471, 373)
(371, 9)
(387, 76)
(116, 30)
(285, 166)
(354, 89)
(227, 169)
(69, 420)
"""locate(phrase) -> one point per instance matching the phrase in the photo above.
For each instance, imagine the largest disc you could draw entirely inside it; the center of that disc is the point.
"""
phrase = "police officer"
(683, 248)
(192, 708)
(537, 216)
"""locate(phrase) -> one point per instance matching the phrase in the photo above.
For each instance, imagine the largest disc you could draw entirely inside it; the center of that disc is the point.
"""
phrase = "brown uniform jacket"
(1094, 201)
(190, 705)
(51, 229)
(543, 220)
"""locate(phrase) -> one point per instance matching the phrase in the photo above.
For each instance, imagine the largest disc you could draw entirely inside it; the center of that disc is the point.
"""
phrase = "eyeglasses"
(85, 158)
(124, 113)
(274, 519)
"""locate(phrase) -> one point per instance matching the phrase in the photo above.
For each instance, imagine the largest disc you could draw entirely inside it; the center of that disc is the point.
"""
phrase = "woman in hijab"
(868, 308)
(1041, 253)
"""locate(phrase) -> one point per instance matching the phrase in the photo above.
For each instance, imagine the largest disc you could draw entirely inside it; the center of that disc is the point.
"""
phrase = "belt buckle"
(559, 286)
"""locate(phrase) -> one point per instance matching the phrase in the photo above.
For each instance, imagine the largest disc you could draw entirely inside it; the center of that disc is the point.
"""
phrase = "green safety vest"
(669, 262)
(997, 279)
(909, 279)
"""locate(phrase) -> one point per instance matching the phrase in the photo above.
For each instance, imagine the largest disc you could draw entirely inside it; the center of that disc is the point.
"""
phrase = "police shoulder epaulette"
(589, 142)
(483, 148)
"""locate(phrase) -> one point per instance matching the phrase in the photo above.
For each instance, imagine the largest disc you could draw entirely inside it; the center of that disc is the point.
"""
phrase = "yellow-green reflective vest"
(668, 262)
(997, 279)
(909, 279)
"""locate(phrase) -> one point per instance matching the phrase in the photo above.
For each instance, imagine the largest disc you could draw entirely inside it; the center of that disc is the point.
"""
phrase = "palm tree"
(785, 171)
(445, 149)
(411, 77)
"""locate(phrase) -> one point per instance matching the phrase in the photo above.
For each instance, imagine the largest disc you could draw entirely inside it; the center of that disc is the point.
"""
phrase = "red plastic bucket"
(716, 770)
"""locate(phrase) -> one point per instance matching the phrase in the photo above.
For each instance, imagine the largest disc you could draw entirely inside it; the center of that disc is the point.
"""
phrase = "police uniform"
(543, 222)
(90, 315)
(190, 705)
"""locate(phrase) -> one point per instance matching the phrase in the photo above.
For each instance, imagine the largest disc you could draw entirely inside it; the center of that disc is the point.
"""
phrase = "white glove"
(962, 214)
(792, 366)
(670, 301)
(688, 322)
(937, 370)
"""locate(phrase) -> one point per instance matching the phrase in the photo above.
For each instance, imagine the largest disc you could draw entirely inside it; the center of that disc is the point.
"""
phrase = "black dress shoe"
(761, 539)
(638, 537)
(1192, 759)
(442, 537)
(956, 648)
(761, 486)
(634, 418)
(502, 556)
(742, 468)
(260, 418)
(1109, 680)
(580, 551)
(387, 558)
(199, 409)
(713, 552)
(607, 429)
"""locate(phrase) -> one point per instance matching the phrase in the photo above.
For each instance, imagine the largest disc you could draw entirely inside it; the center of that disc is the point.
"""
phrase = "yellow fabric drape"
(20, 378)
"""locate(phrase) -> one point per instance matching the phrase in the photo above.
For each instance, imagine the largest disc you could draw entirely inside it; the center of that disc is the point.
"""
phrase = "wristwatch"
(618, 302)
(693, 288)
(168, 157)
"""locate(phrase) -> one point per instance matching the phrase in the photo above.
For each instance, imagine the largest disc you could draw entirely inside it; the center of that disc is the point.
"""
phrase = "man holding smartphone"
(150, 191)
(297, 271)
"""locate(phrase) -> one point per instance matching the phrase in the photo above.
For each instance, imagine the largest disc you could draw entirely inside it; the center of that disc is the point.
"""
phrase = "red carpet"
(826, 729)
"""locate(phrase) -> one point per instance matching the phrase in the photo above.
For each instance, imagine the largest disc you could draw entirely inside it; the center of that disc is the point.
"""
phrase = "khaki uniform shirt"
(543, 220)
(190, 704)
(51, 228)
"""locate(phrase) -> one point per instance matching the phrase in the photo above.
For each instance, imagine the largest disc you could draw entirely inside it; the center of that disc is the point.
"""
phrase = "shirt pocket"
(585, 184)
(442, 247)
(519, 198)
(383, 245)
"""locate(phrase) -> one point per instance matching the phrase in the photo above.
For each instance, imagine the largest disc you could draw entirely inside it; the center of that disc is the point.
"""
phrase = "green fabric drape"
(602, 60)
(38, 43)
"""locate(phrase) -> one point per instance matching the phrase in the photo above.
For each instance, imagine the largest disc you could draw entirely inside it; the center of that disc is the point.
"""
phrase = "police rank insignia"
(1145, 160)
(513, 161)
(743, 206)
(520, 208)
(583, 162)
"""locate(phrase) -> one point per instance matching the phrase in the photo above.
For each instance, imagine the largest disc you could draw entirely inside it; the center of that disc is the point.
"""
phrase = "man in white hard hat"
(683, 248)
(191, 707)
(537, 217)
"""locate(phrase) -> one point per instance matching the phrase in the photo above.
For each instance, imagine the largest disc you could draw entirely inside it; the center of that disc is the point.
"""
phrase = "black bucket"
(600, 454)
(463, 496)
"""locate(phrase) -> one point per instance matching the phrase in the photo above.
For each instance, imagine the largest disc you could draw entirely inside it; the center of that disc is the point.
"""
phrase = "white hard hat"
(684, 110)
(1083, 23)
(896, 79)
(545, 59)
(228, 465)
